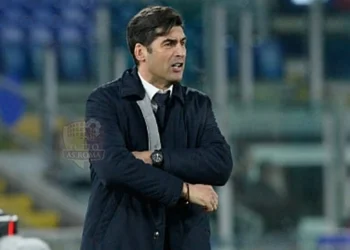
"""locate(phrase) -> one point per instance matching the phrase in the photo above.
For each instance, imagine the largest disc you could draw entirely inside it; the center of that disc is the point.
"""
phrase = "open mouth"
(177, 65)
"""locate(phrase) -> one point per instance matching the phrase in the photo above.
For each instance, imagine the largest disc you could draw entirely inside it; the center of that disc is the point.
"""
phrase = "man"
(153, 200)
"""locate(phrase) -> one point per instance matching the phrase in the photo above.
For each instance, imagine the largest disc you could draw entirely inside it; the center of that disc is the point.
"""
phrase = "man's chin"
(176, 79)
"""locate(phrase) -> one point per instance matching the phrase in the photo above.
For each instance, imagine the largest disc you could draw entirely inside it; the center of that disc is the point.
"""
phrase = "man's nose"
(180, 50)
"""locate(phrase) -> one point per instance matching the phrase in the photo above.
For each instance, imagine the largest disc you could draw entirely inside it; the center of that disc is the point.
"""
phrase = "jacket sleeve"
(118, 166)
(210, 163)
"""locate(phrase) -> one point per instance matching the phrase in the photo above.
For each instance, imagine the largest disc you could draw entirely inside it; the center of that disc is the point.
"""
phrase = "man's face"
(166, 59)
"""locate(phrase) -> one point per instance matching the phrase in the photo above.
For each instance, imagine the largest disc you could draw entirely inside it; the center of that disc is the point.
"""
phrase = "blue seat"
(90, 48)
(40, 36)
(4, 6)
(121, 15)
(52, 4)
(72, 53)
(269, 60)
(25, 4)
(12, 105)
(85, 5)
(15, 14)
(74, 16)
(13, 54)
(232, 57)
(45, 16)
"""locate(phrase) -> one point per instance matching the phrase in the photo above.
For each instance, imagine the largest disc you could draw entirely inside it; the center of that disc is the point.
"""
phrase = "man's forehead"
(175, 32)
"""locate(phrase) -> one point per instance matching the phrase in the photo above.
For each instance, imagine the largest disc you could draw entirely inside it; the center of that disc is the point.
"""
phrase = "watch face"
(157, 157)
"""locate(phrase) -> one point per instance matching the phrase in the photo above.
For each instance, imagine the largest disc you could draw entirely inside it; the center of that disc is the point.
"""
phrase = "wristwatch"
(157, 158)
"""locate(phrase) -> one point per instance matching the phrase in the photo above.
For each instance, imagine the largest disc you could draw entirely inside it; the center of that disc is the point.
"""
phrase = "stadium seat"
(45, 16)
(84, 4)
(52, 4)
(13, 54)
(12, 105)
(23, 206)
(72, 56)
(15, 15)
(30, 126)
(232, 57)
(2, 10)
(3, 5)
(40, 36)
(74, 16)
(25, 4)
(269, 61)
(121, 14)
(15, 203)
(42, 219)
(80, 12)
(90, 49)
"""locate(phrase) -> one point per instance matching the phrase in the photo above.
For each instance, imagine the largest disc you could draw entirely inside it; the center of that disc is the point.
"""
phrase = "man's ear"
(140, 52)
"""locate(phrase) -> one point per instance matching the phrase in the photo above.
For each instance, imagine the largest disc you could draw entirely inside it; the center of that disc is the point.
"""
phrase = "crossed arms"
(210, 163)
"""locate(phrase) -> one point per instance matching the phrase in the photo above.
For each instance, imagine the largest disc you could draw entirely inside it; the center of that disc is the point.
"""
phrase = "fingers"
(205, 196)
(216, 196)
(211, 207)
(215, 205)
(212, 202)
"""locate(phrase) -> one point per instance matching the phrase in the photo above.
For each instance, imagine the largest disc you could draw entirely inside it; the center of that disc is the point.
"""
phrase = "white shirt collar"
(151, 90)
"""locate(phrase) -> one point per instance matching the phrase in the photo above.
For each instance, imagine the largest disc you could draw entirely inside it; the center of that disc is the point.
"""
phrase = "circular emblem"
(92, 129)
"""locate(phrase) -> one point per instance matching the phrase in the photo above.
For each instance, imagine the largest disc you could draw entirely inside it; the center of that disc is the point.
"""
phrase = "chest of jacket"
(181, 126)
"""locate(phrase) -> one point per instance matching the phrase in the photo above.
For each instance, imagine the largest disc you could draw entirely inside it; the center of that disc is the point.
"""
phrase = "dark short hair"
(150, 23)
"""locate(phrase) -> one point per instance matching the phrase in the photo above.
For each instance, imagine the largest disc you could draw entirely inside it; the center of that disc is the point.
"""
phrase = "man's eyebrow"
(169, 40)
(173, 40)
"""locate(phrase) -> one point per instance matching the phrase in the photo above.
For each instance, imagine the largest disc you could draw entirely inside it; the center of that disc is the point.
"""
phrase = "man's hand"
(145, 156)
(203, 195)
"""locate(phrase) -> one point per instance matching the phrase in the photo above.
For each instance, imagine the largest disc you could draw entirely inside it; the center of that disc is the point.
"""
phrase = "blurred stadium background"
(277, 70)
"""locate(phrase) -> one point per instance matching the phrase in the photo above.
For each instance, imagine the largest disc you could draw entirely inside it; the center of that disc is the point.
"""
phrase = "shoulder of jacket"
(196, 95)
(107, 89)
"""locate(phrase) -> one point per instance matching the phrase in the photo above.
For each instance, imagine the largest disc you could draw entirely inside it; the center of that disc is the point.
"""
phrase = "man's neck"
(158, 83)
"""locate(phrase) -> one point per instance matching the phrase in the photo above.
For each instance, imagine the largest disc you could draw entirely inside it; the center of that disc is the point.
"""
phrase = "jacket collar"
(132, 86)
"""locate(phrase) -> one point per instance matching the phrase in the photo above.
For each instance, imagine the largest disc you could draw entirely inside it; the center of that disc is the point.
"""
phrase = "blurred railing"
(251, 225)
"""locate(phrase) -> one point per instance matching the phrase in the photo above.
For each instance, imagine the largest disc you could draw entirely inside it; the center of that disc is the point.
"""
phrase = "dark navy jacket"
(131, 202)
